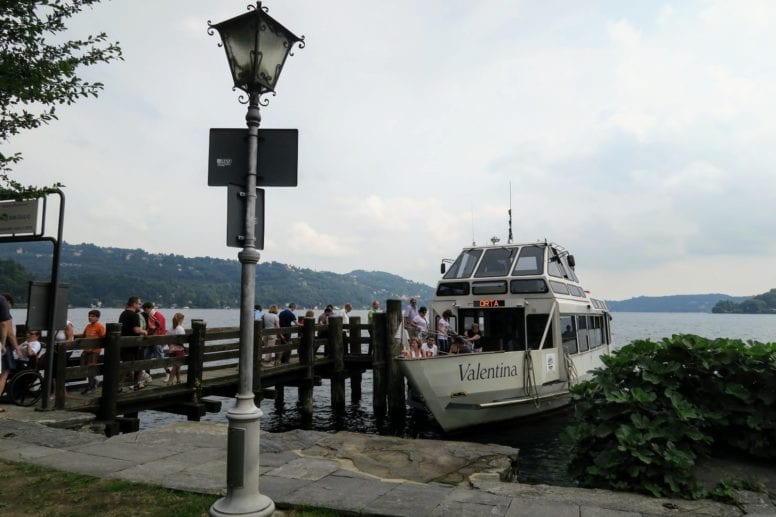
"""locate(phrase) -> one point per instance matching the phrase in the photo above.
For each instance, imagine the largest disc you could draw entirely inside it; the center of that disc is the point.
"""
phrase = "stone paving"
(350, 473)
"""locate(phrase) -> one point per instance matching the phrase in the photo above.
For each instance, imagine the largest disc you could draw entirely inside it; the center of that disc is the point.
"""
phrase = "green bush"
(644, 419)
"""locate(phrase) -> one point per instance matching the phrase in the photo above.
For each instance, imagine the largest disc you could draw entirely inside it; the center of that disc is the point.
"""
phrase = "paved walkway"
(322, 470)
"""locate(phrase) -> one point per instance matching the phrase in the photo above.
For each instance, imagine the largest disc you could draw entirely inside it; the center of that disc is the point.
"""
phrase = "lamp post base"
(242, 464)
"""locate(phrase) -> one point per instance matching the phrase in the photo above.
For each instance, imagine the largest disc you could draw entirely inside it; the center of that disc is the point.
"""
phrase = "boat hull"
(472, 389)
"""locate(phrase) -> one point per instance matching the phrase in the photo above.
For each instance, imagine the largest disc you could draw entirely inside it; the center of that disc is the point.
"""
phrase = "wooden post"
(355, 349)
(307, 358)
(396, 388)
(60, 356)
(110, 378)
(196, 358)
(379, 381)
(337, 347)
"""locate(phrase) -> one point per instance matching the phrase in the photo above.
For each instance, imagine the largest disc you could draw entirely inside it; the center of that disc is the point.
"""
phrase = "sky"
(638, 135)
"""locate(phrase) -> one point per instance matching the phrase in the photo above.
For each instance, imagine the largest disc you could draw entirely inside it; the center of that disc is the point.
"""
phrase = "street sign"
(277, 162)
(39, 305)
(235, 217)
(18, 217)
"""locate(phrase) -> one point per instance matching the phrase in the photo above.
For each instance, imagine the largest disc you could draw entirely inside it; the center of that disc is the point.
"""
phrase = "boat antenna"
(471, 209)
(509, 240)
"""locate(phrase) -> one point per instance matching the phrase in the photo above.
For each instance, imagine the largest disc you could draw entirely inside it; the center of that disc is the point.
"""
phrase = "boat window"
(596, 332)
(500, 329)
(555, 266)
(582, 325)
(493, 287)
(496, 262)
(569, 270)
(532, 285)
(453, 289)
(559, 287)
(569, 334)
(464, 264)
(530, 261)
(535, 324)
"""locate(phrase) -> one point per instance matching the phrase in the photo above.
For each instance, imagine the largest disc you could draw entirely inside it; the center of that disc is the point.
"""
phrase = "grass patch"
(33, 490)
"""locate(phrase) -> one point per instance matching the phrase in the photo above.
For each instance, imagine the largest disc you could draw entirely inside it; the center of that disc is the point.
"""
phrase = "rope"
(529, 377)
(571, 369)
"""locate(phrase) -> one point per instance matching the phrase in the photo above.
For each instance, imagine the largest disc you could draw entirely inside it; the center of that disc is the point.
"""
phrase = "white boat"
(541, 332)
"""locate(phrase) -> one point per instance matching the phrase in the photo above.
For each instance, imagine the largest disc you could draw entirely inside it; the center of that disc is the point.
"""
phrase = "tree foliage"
(108, 276)
(764, 303)
(645, 418)
(39, 70)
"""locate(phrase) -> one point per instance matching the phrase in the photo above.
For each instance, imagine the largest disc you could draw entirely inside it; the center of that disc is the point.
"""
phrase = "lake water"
(541, 460)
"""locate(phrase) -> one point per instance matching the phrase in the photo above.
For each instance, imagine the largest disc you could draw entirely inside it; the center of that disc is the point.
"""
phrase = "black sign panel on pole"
(228, 157)
(235, 217)
(39, 305)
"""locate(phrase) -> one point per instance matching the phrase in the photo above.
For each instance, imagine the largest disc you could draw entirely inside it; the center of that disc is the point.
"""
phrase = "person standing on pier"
(132, 325)
(177, 350)
(93, 330)
(7, 340)
(372, 311)
(156, 324)
(287, 318)
(271, 321)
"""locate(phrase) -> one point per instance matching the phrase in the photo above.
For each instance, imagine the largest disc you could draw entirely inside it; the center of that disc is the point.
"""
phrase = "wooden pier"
(333, 351)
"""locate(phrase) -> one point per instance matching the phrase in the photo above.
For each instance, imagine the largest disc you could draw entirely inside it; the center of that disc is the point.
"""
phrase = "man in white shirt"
(409, 319)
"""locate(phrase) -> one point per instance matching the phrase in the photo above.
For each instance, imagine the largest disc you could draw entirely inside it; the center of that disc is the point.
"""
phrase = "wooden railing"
(210, 366)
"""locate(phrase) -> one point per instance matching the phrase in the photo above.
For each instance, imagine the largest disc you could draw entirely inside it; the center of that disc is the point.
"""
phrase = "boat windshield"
(496, 262)
(464, 264)
(531, 261)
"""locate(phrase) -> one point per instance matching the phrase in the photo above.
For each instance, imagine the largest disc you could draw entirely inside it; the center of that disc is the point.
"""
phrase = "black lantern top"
(256, 46)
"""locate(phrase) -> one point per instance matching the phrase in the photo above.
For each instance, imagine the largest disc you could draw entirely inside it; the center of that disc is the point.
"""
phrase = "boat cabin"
(523, 296)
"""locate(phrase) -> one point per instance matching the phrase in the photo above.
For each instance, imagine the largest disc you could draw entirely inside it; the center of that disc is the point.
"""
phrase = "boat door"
(500, 328)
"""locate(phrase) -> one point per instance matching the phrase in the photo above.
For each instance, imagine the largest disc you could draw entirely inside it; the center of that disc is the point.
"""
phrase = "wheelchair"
(25, 384)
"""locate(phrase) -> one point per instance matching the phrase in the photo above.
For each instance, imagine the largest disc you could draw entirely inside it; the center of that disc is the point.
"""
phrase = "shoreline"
(345, 472)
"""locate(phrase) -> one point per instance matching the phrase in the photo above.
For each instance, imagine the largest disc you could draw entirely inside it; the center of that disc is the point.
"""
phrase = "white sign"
(550, 363)
(18, 217)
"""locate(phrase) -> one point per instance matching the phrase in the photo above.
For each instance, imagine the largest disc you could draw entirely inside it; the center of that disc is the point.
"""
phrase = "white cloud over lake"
(636, 134)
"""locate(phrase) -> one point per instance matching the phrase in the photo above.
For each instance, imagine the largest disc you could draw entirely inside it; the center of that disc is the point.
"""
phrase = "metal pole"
(55, 258)
(242, 459)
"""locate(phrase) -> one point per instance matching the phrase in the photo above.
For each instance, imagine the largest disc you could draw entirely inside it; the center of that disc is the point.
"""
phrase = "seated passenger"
(459, 346)
(430, 348)
(413, 352)
(29, 350)
(473, 336)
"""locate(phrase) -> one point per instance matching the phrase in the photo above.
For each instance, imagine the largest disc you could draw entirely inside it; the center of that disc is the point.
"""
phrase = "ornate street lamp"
(257, 47)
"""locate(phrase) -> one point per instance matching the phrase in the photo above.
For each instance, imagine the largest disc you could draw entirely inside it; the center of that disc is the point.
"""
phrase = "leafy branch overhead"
(38, 71)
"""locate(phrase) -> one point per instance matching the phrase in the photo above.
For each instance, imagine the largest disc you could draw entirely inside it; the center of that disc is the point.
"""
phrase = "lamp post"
(256, 47)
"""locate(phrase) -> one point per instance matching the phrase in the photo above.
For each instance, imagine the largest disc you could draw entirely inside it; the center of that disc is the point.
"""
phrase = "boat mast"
(509, 240)
(471, 209)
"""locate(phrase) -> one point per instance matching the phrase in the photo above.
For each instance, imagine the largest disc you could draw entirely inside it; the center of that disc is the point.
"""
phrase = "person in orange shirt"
(93, 330)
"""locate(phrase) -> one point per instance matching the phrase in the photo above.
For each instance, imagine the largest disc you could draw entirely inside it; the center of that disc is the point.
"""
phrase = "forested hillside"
(760, 304)
(672, 303)
(107, 276)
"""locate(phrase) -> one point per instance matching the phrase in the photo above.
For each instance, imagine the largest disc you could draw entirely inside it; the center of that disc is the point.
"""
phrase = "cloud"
(638, 135)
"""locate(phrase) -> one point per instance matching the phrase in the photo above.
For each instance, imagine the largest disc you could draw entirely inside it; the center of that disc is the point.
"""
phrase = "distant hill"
(760, 304)
(108, 276)
(673, 303)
